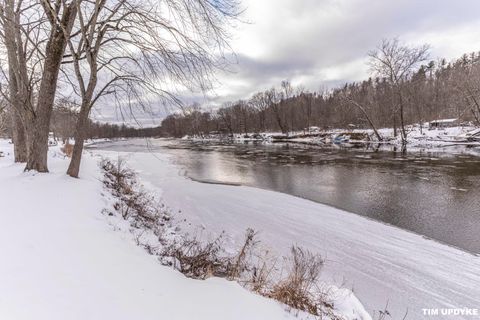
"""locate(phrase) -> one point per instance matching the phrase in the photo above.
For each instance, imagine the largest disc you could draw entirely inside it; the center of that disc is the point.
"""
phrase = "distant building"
(312, 129)
(442, 123)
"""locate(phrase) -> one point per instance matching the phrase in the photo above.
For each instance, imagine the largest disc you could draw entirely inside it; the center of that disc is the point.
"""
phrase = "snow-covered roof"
(444, 120)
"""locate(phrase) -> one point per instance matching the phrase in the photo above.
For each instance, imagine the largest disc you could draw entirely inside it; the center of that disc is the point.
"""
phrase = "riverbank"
(63, 259)
(417, 137)
(380, 262)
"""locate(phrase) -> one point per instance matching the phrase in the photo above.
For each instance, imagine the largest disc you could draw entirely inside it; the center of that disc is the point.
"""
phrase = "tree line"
(64, 118)
(404, 88)
(62, 127)
(127, 53)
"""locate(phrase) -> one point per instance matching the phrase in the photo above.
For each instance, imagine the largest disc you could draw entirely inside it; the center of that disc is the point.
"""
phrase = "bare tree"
(242, 110)
(466, 81)
(64, 119)
(127, 48)
(35, 35)
(20, 36)
(259, 103)
(396, 62)
(287, 93)
(61, 16)
(365, 113)
(307, 100)
(275, 101)
(227, 117)
(193, 112)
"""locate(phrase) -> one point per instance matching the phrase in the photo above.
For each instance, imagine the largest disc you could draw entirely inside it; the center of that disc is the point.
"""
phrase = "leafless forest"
(405, 88)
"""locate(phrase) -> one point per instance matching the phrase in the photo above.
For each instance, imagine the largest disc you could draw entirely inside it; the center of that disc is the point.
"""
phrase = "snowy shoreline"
(436, 139)
(63, 259)
(365, 253)
(379, 262)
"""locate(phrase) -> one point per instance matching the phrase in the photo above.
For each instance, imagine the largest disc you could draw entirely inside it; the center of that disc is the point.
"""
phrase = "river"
(435, 193)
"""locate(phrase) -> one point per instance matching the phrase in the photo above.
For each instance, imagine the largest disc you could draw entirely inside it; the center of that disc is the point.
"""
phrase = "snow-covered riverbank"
(417, 138)
(381, 263)
(61, 255)
(61, 259)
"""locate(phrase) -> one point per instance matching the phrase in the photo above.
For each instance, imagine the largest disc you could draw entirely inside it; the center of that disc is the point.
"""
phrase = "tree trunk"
(263, 121)
(477, 120)
(38, 143)
(402, 121)
(370, 122)
(38, 131)
(18, 137)
(476, 104)
(279, 121)
(16, 88)
(81, 127)
(395, 122)
(245, 125)
(18, 129)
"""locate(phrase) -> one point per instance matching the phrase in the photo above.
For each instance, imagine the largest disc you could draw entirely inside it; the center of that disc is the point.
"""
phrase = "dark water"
(436, 194)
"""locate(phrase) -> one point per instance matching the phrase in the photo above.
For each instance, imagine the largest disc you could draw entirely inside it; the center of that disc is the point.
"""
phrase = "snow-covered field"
(60, 259)
(380, 262)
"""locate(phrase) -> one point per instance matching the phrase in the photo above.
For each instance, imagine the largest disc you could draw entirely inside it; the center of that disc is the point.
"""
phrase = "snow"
(444, 120)
(472, 133)
(439, 139)
(380, 262)
(61, 259)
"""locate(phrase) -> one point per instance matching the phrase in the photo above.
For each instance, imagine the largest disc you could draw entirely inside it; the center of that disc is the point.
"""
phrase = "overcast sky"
(323, 43)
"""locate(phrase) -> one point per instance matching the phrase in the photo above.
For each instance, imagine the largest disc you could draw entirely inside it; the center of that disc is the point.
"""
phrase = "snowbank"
(416, 138)
(380, 262)
(62, 260)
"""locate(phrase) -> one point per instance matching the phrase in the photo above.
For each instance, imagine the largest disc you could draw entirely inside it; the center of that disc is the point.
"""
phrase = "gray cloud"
(323, 43)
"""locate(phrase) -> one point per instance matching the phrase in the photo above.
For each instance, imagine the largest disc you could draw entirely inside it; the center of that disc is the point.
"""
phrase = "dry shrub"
(385, 314)
(197, 259)
(241, 262)
(260, 277)
(202, 259)
(133, 202)
(296, 290)
(117, 177)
